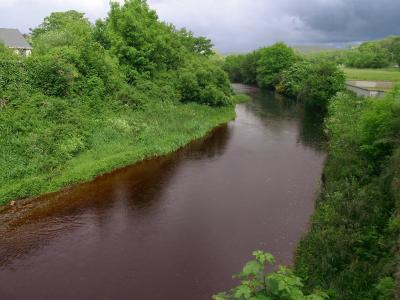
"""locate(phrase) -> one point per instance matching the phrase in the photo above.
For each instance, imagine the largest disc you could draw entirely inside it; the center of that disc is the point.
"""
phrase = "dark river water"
(175, 227)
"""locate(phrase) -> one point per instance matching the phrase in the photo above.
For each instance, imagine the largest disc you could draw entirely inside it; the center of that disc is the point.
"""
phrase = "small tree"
(257, 284)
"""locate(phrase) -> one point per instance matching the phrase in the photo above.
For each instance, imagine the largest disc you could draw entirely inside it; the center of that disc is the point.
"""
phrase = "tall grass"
(49, 143)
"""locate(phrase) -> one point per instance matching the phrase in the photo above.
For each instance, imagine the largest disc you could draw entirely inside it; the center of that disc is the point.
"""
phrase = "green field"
(389, 74)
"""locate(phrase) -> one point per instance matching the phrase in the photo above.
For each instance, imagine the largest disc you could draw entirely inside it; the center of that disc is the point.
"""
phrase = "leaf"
(243, 291)
(253, 267)
(263, 257)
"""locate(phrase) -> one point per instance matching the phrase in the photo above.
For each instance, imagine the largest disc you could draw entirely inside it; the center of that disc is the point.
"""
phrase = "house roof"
(12, 38)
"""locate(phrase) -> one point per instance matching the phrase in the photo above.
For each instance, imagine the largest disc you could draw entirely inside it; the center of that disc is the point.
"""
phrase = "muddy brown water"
(175, 227)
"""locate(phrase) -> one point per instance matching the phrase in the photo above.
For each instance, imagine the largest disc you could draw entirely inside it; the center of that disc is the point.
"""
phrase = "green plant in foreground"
(258, 284)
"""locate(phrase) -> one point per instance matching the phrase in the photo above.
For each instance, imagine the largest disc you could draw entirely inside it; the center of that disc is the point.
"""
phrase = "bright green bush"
(369, 55)
(257, 283)
(272, 61)
(204, 83)
(324, 80)
(292, 81)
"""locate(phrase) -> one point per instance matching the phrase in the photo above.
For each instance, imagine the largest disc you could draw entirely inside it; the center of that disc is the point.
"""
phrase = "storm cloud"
(241, 25)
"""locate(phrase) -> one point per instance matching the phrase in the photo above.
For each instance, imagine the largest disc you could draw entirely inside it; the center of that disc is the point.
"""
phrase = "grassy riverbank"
(95, 97)
(32, 165)
(350, 250)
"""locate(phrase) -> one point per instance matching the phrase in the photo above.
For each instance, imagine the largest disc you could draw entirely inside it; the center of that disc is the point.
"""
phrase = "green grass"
(240, 98)
(59, 153)
(389, 74)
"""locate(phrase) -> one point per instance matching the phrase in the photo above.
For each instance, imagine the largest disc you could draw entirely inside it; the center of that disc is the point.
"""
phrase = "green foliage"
(293, 79)
(59, 21)
(142, 44)
(240, 98)
(204, 83)
(198, 45)
(53, 74)
(242, 68)
(369, 55)
(259, 284)
(324, 80)
(93, 98)
(272, 61)
(354, 229)
(314, 82)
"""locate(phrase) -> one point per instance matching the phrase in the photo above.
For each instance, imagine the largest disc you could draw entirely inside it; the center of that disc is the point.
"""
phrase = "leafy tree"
(233, 64)
(142, 44)
(324, 81)
(60, 20)
(257, 284)
(369, 55)
(204, 83)
(197, 45)
(292, 79)
(272, 61)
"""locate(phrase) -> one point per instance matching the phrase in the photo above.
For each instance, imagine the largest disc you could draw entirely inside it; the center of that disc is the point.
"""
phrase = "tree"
(197, 45)
(324, 81)
(369, 55)
(272, 61)
(204, 82)
(142, 44)
(59, 20)
(293, 78)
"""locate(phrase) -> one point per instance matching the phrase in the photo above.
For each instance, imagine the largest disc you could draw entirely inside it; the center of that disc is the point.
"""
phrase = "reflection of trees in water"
(312, 131)
(272, 107)
(269, 105)
(213, 145)
(137, 190)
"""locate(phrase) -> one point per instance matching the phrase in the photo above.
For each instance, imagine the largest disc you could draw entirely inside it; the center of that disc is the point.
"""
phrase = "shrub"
(324, 81)
(204, 83)
(272, 61)
(257, 284)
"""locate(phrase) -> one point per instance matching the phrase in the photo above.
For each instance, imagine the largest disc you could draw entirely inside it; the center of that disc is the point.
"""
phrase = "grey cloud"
(241, 25)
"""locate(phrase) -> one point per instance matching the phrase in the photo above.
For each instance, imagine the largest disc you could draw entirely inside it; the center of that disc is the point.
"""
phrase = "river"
(175, 227)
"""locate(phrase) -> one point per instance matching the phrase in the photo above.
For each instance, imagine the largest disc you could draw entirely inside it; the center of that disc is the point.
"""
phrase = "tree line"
(278, 67)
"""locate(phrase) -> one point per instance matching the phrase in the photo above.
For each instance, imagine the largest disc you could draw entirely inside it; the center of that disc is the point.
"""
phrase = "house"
(14, 40)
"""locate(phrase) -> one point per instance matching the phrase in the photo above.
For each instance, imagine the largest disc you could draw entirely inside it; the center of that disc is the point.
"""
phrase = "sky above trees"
(240, 25)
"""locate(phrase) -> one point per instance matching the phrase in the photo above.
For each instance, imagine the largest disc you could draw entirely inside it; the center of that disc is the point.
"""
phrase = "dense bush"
(323, 81)
(205, 84)
(242, 68)
(292, 79)
(369, 55)
(354, 228)
(271, 62)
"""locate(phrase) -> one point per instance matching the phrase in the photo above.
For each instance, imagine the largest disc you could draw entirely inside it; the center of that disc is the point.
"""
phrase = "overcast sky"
(240, 25)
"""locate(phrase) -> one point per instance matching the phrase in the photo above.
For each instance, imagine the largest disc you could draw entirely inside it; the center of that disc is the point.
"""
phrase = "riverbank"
(111, 139)
(351, 249)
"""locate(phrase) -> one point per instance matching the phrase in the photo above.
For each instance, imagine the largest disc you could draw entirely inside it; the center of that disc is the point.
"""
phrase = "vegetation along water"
(93, 98)
(350, 251)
